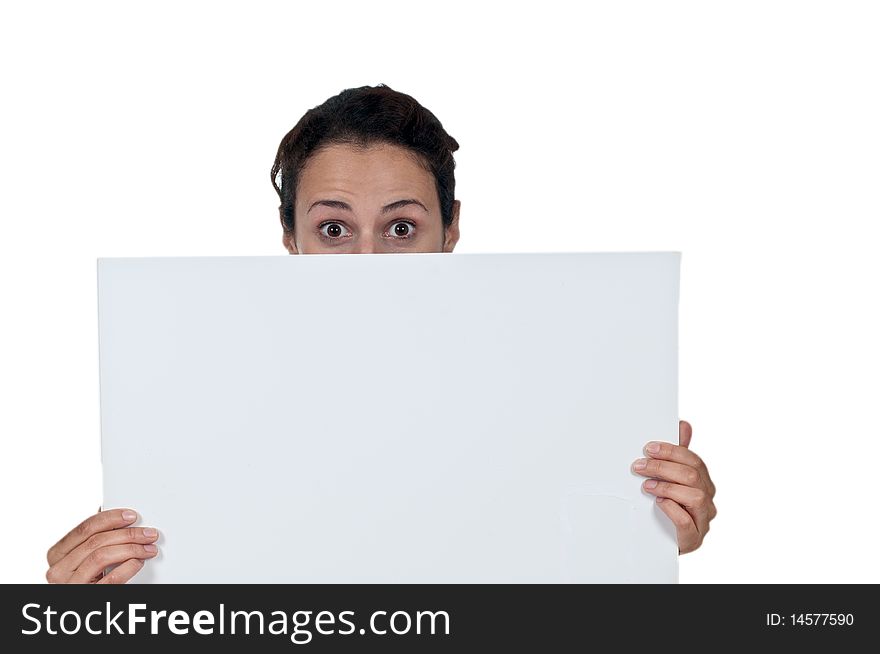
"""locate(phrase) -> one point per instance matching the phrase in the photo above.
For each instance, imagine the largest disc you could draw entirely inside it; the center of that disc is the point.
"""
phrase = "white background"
(743, 134)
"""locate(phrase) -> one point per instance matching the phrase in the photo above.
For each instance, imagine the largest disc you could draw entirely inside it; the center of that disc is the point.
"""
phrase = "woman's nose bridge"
(369, 244)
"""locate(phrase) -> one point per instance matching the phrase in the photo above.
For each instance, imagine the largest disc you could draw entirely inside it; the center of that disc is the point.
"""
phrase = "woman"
(371, 170)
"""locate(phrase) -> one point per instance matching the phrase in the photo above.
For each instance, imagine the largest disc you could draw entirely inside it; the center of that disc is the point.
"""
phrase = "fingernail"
(151, 548)
(652, 448)
(128, 516)
(640, 464)
(659, 499)
(149, 532)
(651, 483)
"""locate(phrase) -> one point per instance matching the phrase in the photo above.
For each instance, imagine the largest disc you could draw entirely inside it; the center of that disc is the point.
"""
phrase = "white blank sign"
(413, 418)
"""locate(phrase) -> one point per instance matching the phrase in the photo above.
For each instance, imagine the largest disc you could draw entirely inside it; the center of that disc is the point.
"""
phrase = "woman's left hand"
(681, 483)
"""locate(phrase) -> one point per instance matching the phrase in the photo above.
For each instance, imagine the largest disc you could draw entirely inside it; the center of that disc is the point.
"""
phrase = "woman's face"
(375, 200)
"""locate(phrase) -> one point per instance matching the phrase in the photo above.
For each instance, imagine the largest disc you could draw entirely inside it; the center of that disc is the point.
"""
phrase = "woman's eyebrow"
(344, 206)
(402, 203)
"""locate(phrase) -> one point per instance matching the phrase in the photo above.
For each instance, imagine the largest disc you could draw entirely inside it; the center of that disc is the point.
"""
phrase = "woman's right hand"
(101, 541)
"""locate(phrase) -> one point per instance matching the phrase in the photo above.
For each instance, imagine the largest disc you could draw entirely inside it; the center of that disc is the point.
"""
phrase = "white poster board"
(391, 417)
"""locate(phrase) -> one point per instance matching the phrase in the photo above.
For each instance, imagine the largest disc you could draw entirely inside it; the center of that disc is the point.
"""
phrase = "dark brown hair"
(366, 116)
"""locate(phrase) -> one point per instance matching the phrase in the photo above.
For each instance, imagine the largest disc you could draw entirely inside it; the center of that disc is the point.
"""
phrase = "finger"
(685, 432)
(669, 471)
(695, 500)
(122, 572)
(102, 521)
(710, 485)
(676, 454)
(64, 569)
(102, 558)
(687, 534)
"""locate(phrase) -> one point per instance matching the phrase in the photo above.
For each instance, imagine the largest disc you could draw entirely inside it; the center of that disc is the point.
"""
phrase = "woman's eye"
(332, 230)
(402, 229)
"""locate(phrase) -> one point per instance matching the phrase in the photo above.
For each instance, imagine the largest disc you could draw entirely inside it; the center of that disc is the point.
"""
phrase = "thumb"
(685, 431)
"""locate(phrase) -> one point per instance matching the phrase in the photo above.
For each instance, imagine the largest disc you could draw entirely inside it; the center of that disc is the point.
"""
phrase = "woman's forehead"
(382, 169)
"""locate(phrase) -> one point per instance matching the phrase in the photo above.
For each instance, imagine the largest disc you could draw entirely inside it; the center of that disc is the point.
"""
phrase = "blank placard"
(414, 418)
